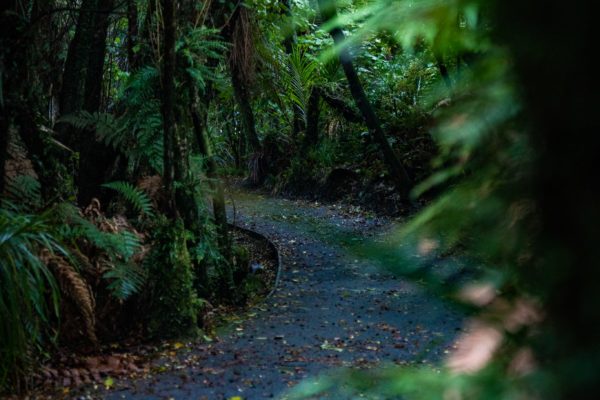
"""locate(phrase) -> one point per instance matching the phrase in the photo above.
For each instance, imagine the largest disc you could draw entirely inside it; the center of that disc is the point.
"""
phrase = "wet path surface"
(333, 307)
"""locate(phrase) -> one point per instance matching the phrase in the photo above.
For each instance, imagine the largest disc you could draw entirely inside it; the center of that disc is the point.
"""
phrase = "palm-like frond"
(299, 77)
(28, 291)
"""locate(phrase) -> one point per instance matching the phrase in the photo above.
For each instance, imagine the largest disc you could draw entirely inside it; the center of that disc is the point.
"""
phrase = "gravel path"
(332, 308)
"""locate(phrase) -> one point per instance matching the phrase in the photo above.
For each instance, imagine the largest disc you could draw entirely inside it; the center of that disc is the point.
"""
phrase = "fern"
(137, 133)
(136, 197)
(23, 193)
(108, 127)
(299, 77)
(196, 47)
(125, 279)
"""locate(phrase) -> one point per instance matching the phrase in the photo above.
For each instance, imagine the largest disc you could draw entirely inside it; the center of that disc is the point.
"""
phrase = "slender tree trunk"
(341, 107)
(73, 85)
(4, 126)
(397, 170)
(132, 34)
(199, 113)
(144, 56)
(312, 118)
(443, 69)
(200, 121)
(233, 142)
(20, 100)
(289, 41)
(168, 104)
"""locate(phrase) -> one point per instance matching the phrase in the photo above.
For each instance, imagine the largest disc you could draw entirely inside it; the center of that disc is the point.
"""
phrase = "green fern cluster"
(134, 196)
(196, 47)
(125, 277)
(137, 133)
(23, 192)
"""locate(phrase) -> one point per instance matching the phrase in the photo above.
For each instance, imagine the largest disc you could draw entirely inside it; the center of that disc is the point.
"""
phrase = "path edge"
(273, 247)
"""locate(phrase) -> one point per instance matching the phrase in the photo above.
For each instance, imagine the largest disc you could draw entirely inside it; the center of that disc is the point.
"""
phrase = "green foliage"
(136, 197)
(196, 47)
(29, 296)
(174, 305)
(23, 193)
(138, 133)
(107, 126)
(299, 75)
(124, 276)
(483, 170)
(418, 383)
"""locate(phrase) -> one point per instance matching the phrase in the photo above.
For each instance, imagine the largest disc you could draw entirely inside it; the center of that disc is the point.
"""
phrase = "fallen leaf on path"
(328, 346)
(109, 382)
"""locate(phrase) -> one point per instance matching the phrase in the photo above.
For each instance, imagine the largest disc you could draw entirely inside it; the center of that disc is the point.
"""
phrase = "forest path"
(333, 307)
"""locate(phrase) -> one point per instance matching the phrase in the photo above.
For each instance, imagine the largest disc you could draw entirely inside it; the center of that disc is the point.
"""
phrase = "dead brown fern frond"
(74, 287)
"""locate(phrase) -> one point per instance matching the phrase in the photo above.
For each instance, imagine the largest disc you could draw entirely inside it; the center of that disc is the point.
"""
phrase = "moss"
(174, 302)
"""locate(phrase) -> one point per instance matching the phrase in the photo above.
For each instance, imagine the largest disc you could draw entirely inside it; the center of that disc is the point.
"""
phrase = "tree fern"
(136, 197)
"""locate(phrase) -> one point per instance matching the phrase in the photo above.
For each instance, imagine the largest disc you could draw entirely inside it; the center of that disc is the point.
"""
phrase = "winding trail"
(333, 307)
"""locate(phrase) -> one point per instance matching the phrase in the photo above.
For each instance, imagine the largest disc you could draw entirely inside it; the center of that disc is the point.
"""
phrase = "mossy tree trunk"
(168, 104)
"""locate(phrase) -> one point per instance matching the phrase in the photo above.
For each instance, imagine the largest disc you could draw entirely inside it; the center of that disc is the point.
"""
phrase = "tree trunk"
(95, 158)
(560, 95)
(289, 41)
(312, 118)
(341, 107)
(396, 169)
(168, 104)
(74, 75)
(4, 126)
(200, 121)
(132, 34)
(242, 97)
(21, 100)
(199, 113)
(439, 59)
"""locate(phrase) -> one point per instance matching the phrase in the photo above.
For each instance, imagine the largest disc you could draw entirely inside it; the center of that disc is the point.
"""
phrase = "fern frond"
(24, 192)
(125, 279)
(299, 77)
(75, 288)
(108, 127)
(28, 291)
(136, 197)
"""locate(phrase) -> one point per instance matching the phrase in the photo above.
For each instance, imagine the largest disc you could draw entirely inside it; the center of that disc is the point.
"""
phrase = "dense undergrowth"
(115, 133)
